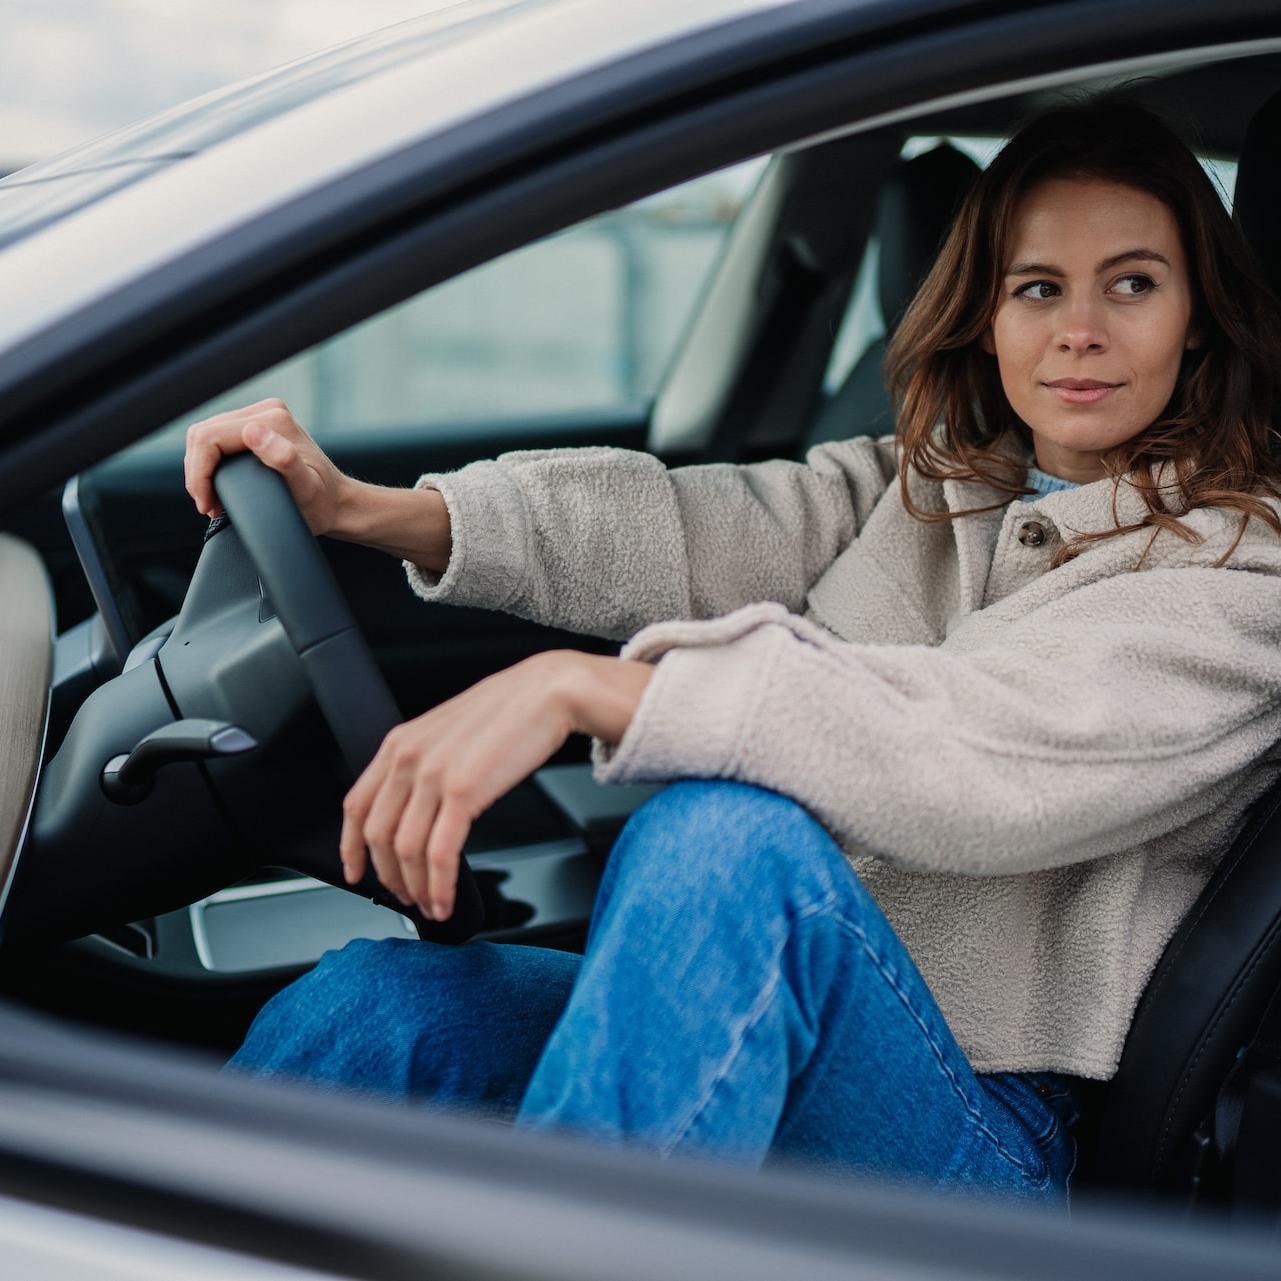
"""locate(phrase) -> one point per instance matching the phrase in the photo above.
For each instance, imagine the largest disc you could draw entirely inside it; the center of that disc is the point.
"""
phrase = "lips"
(1082, 391)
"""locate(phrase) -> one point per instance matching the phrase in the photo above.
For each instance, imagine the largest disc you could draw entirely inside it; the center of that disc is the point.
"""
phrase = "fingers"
(410, 843)
(395, 812)
(280, 454)
(428, 844)
(355, 808)
(213, 439)
(379, 830)
(414, 805)
(444, 850)
(199, 464)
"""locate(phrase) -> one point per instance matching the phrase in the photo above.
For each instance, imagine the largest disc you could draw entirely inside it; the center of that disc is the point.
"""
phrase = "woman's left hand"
(434, 775)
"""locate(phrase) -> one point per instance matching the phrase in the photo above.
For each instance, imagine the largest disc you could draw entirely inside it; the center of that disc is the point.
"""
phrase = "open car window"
(580, 323)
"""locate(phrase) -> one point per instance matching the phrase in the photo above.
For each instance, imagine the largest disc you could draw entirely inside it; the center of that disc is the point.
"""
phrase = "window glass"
(982, 150)
(583, 321)
(1223, 173)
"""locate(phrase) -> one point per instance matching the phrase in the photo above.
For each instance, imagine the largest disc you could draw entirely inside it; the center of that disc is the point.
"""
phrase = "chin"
(1084, 437)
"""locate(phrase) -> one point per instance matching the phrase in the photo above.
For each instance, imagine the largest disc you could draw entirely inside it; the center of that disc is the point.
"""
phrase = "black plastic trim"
(1199, 1008)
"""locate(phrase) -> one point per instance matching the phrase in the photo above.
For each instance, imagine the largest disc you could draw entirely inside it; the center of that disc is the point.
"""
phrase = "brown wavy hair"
(1218, 431)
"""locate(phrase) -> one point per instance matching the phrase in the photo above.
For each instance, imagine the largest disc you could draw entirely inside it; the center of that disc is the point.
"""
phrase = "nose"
(1081, 329)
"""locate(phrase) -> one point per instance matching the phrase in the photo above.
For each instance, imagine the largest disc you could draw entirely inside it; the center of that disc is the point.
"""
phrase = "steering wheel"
(203, 759)
(335, 659)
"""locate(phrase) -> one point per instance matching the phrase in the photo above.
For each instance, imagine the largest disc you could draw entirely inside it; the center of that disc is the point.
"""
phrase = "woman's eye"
(1132, 286)
(1037, 290)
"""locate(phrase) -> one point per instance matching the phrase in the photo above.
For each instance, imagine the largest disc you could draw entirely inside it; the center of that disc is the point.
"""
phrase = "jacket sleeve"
(605, 540)
(1108, 717)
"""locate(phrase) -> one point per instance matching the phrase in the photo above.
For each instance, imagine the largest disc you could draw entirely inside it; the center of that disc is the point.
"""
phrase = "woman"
(953, 770)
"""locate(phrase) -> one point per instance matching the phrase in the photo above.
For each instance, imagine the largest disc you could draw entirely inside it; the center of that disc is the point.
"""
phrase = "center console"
(279, 923)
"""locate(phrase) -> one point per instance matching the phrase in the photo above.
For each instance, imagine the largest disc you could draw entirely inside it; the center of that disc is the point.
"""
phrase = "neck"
(1067, 464)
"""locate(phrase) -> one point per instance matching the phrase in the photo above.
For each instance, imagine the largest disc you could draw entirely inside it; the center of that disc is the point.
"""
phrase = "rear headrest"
(1257, 201)
(917, 202)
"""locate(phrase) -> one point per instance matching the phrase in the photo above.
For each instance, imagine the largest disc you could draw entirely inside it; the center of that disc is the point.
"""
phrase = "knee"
(367, 974)
(699, 830)
(702, 813)
(352, 997)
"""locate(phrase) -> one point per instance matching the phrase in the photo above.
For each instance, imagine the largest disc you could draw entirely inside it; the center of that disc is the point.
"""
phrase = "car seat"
(1190, 1112)
(914, 211)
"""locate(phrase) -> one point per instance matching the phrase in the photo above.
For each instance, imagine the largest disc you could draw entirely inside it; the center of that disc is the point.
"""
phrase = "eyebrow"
(1128, 255)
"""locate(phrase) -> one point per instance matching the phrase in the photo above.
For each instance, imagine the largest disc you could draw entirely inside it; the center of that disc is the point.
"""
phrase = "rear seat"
(913, 215)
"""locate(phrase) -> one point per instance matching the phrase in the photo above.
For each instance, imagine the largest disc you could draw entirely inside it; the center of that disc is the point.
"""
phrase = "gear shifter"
(128, 779)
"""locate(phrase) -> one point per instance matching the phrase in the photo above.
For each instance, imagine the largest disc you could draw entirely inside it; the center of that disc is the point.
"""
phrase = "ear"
(1194, 339)
(988, 342)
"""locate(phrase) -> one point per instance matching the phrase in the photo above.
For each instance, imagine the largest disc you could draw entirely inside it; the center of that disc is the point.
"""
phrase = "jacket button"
(1031, 533)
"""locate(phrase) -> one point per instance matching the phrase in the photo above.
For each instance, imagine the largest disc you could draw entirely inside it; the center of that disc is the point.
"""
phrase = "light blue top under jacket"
(1044, 483)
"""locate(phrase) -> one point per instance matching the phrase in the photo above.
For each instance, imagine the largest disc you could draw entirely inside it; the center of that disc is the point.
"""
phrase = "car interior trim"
(93, 563)
(556, 875)
(1119, 70)
(691, 394)
(240, 948)
(26, 640)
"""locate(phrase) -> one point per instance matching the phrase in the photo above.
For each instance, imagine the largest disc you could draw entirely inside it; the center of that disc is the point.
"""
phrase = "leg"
(462, 1025)
(743, 996)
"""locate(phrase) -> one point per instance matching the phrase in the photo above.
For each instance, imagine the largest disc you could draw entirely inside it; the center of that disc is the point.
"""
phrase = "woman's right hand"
(272, 433)
(410, 524)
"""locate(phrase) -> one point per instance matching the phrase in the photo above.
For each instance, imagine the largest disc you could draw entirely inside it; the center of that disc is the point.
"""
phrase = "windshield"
(39, 194)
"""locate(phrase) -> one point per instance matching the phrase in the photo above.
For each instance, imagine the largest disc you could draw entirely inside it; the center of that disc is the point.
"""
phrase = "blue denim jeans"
(741, 997)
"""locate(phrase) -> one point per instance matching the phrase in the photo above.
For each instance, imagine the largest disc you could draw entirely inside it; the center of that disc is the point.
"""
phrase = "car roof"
(82, 225)
(42, 192)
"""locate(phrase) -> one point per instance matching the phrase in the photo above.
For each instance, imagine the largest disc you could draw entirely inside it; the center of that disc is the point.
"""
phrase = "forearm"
(585, 540)
(1017, 754)
(605, 541)
(410, 524)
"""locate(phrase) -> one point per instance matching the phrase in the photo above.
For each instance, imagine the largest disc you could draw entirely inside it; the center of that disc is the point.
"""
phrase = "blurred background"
(73, 69)
(581, 323)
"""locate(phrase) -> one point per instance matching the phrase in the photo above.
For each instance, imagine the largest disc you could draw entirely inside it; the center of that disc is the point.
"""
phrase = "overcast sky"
(73, 69)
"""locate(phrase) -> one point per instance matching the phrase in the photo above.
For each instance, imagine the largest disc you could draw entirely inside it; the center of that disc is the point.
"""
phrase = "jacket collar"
(1083, 509)
(1089, 508)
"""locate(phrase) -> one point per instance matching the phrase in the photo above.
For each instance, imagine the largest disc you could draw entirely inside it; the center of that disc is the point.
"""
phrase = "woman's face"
(1094, 318)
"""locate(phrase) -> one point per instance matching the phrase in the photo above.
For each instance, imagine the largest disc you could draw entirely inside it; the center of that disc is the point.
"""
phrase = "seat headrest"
(917, 203)
(1257, 199)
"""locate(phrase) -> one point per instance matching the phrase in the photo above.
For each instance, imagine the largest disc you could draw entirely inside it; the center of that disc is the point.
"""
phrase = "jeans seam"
(1067, 1178)
(967, 1105)
(761, 1004)
(754, 1015)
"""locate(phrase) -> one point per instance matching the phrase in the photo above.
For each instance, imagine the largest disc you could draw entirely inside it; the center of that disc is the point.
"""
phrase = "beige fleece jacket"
(1033, 771)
